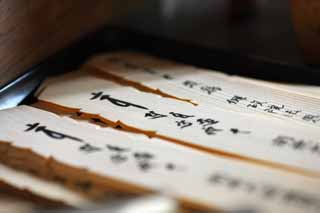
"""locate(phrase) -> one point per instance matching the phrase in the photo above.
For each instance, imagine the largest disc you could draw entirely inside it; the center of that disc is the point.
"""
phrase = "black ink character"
(210, 89)
(118, 154)
(315, 148)
(282, 140)
(178, 115)
(31, 127)
(237, 131)
(88, 148)
(303, 199)
(290, 113)
(255, 104)
(117, 148)
(236, 99)
(299, 144)
(183, 123)
(154, 115)
(216, 178)
(114, 101)
(96, 95)
(312, 118)
(250, 187)
(273, 108)
(207, 122)
(269, 191)
(207, 126)
(212, 130)
(167, 76)
(143, 159)
(234, 183)
(171, 166)
(50, 133)
(143, 155)
(190, 84)
(118, 158)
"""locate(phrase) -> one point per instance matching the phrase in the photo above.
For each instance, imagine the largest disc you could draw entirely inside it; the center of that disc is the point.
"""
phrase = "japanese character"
(296, 197)
(234, 183)
(143, 155)
(313, 118)
(269, 191)
(118, 158)
(250, 187)
(143, 160)
(170, 166)
(272, 108)
(210, 89)
(115, 101)
(282, 140)
(154, 115)
(117, 148)
(292, 112)
(207, 125)
(236, 99)
(178, 115)
(88, 148)
(255, 104)
(50, 133)
(167, 76)
(144, 165)
(190, 84)
(211, 130)
(315, 148)
(216, 178)
(298, 144)
(183, 123)
(207, 121)
(236, 131)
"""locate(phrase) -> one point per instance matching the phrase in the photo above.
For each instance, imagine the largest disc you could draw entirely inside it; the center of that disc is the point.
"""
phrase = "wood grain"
(306, 20)
(33, 29)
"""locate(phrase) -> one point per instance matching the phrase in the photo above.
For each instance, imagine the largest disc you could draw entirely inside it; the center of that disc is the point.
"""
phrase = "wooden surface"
(31, 30)
(306, 19)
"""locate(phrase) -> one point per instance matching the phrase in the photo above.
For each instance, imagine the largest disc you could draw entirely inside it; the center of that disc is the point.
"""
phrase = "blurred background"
(286, 31)
(260, 27)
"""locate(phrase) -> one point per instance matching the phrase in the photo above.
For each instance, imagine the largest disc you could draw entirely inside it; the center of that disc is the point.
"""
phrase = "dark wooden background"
(266, 30)
(31, 30)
